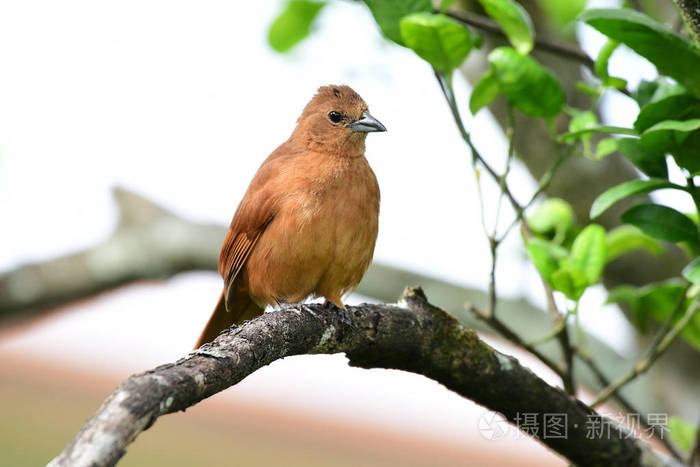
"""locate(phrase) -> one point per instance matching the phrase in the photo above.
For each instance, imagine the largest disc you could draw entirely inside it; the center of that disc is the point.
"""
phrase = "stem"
(605, 382)
(491, 310)
(556, 330)
(563, 50)
(545, 180)
(657, 349)
(694, 455)
(448, 92)
(566, 374)
(510, 130)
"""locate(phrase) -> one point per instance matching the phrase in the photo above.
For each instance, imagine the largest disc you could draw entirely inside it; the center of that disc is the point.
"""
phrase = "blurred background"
(129, 132)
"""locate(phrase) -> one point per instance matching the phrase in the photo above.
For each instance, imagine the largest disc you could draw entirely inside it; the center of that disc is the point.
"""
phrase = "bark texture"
(411, 335)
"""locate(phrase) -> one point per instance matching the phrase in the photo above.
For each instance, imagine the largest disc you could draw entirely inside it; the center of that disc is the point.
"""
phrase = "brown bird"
(308, 222)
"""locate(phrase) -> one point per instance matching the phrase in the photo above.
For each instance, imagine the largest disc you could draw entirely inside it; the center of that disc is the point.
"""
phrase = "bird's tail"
(243, 308)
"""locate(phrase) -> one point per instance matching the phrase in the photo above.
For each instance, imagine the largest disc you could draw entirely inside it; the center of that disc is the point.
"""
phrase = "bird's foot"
(342, 313)
(307, 308)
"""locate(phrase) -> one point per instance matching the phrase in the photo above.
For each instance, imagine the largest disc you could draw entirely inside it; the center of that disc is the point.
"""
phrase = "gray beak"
(366, 124)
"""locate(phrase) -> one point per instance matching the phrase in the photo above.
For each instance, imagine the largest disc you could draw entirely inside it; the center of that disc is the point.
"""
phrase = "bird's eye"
(334, 116)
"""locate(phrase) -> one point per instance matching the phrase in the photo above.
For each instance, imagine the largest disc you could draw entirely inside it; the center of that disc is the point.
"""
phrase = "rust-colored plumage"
(308, 222)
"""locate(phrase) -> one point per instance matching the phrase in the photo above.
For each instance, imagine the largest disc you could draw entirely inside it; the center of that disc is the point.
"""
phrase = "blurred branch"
(690, 12)
(412, 336)
(139, 244)
(150, 242)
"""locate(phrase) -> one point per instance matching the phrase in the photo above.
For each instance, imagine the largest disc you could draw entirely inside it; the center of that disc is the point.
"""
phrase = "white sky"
(181, 102)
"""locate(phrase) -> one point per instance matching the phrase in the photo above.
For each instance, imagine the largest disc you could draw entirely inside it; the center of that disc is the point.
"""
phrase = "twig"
(563, 50)
(555, 331)
(493, 242)
(446, 87)
(627, 405)
(694, 455)
(566, 374)
(657, 349)
(543, 184)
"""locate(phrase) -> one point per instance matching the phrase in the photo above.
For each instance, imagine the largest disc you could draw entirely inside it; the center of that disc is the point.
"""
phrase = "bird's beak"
(366, 124)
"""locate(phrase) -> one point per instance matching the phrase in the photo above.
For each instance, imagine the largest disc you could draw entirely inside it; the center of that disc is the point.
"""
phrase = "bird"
(308, 222)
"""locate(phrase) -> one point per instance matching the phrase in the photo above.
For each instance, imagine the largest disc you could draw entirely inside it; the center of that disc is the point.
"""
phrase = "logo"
(492, 426)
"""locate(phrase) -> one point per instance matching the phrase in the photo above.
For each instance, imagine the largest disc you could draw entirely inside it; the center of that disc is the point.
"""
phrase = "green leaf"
(626, 238)
(571, 282)
(388, 14)
(445, 4)
(684, 126)
(293, 24)
(623, 190)
(589, 89)
(687, 152)
(606, 146)
(673, 55)
(682, 432)
(596, 129)
(514, 20)
(438, 39)
(525, 83)
(645, 91)
(545, 256)
(561, 12)
(678, 106)
(583, 121)
(485, 91)
(553, 214)
(662, 222)
(601, 65)
(668, 136)
(692, 271)
(589, 251)
(650, 162)
(657, 300)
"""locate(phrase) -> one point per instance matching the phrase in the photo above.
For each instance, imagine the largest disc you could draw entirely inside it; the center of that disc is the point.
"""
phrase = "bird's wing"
(235, 250)
(257, 209)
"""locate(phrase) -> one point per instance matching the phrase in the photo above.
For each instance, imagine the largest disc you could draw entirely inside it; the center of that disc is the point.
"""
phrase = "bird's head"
(337, 120)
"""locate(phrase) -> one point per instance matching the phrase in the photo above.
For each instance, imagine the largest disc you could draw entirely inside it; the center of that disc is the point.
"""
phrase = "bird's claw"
(342, 313)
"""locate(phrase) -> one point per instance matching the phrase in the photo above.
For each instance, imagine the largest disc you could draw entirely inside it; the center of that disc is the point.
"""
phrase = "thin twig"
(660, 345)
(544, 182)
(491, 308)
(565, 374)
(563, 50)
(446, 87)
(694, 455)
(492, 238)
(510, 131)
(657, 430)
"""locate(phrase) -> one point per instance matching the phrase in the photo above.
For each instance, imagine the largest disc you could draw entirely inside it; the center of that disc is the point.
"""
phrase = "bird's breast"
(322, 238)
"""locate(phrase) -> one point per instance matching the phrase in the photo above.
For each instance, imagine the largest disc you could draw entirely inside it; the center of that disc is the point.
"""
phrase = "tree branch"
(412, 335)
(690, 12)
